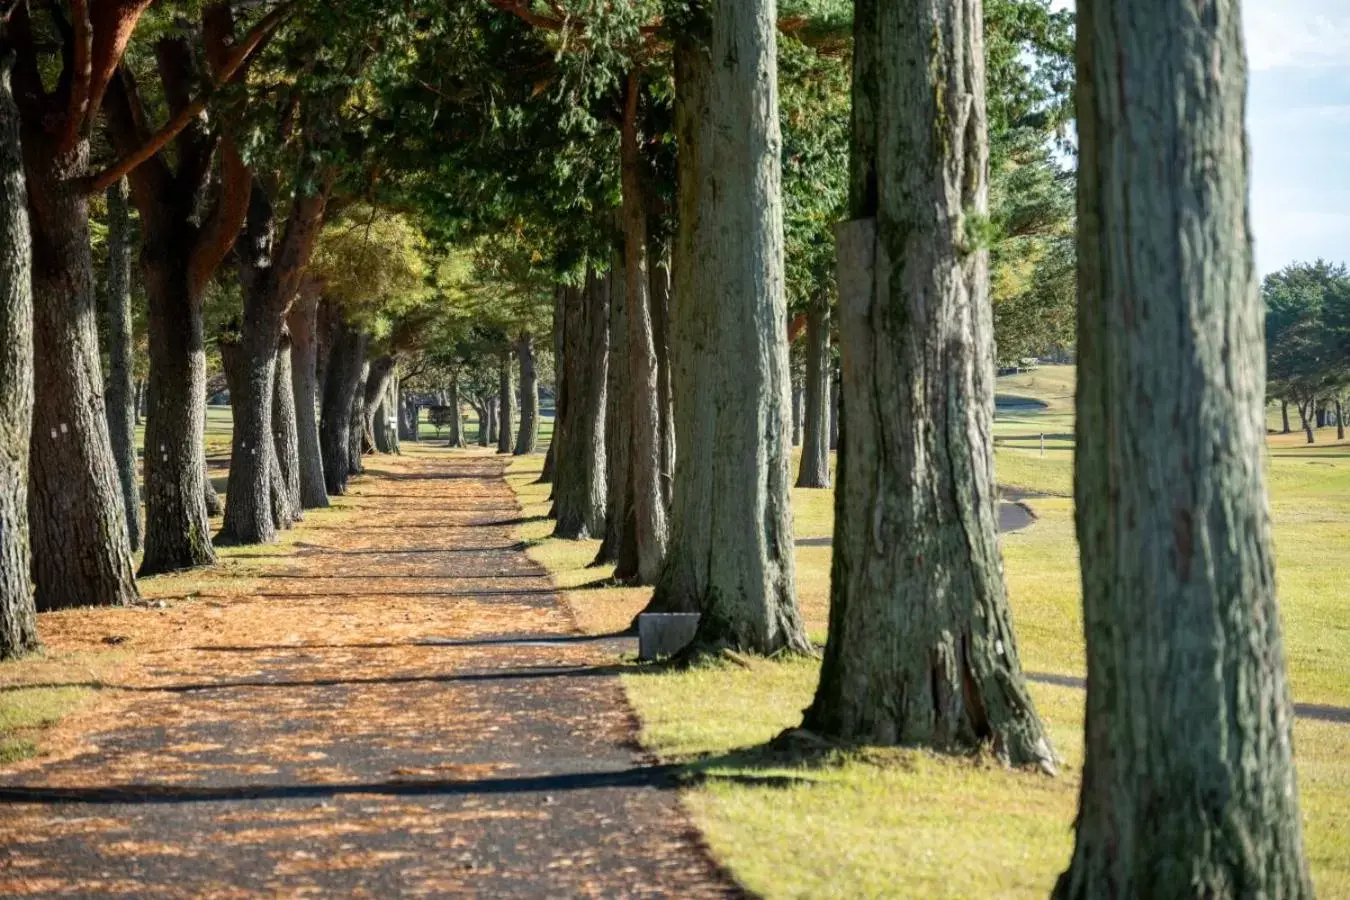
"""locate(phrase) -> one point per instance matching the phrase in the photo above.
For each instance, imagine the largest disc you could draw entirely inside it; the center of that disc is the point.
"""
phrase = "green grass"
(910, 823)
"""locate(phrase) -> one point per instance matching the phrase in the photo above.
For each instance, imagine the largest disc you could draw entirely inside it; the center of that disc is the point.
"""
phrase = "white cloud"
(1302, 34)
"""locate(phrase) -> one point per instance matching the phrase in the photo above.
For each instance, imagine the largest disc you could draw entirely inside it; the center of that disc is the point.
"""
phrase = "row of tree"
(1308, 343)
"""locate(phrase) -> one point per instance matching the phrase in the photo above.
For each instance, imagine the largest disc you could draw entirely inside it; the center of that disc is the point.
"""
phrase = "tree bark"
(387, 419)
(1340, 420)
(356, 422)
(579, 486)
(527, 440)
(210, 499)
(1284, 416)
(617, 414)
(456, 418)
(376, 387)
(814, 470)
(921, 648)
(120, 399)
(347, 353)
(250, 360)
(506, 395)
(484, 410)
(735, 564)
(1305, 419)
(285, 428)
(665, 396)
(18, 616)
(646, 494)
(1188, 782)
(834, 410)
(139, 405)
(302, 323)
(77, 520)
(798, 409)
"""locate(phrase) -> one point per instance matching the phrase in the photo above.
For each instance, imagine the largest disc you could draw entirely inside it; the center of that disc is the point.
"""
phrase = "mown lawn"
(909, 823)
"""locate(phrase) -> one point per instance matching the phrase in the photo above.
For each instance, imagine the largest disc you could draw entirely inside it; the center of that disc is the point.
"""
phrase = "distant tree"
(1306, 336)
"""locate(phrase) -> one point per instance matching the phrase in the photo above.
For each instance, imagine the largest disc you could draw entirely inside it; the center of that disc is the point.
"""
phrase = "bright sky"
(1299, 120)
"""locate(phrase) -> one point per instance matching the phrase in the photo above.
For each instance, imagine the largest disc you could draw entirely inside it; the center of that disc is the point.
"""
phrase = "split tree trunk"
(506, 395)
(18, 617)
(1188, 781)
(527, 440)
(285, 428)
(814, 471)
(579, 486)
(120, 398)
(735, 561)
(377, 386)
(77, 520)
(302, 322)
(921, 649)
(345, 359)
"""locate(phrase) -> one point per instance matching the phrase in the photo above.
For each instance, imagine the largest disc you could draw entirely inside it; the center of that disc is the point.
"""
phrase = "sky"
(1298, 118)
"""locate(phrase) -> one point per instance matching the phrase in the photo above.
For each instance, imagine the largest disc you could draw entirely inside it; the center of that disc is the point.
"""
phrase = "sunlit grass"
(907, 823)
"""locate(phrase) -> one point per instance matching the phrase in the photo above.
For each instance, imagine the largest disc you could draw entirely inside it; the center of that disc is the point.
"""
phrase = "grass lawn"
(910, 823)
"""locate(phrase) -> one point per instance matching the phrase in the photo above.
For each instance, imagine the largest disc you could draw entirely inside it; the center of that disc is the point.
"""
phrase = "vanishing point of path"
(402, 708)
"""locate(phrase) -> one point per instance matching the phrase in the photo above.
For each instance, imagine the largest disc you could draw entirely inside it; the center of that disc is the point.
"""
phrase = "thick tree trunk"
(18, 619)
(285, 428)
(250, 363)
(921, 647)
(646, 492)
(665, 396)
(81, 556)
(617, 415)
(527, 440)
(579, 487)
(506, 396)
(1188, 782)
(302, 322)
(729, 326)
(814, 471)
(120, 399)
(386, 423)
(356, 423)
(345, 359)
(1284, 416)
(177, 530)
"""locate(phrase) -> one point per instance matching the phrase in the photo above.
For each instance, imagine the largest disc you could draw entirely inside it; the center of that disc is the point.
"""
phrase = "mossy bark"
(1188, 782)
(921, 648)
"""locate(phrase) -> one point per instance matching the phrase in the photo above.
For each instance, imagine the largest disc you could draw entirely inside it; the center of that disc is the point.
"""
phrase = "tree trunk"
(1284, 416)
(18, 618)
(660, 301)
(646, 492)
(210, 499)
(302, 322)
(1305, 418)
(617, 413)
(484, 410)
(285, 429)
(139, 405)
(456, 419)
(527, 441)
(834, 410)
(388, 415)
(120, 399)
(346, 355)
(729, 326)
(506, 395)
(798, 408)
(356, 422)
(814, 471)
(377, 385)
(1188, 782)
(921, 648)
(250, 364)
(579, 487)
(77, 520)
(1340, 420)
(1320, 413)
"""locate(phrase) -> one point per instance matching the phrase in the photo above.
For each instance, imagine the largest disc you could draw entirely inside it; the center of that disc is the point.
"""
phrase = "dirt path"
(402, 709)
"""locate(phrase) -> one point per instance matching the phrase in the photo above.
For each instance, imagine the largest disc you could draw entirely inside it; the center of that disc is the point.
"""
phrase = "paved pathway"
(403, 709)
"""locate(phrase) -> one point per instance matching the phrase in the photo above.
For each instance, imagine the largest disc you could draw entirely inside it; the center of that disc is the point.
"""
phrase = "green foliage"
(1307, 332)
(373, 264)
